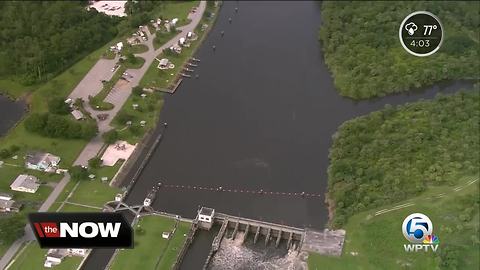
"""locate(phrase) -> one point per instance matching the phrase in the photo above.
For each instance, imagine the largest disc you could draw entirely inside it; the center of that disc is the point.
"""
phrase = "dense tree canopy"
(362, 50)
(39, 39)
(395, 153)
(56, 126)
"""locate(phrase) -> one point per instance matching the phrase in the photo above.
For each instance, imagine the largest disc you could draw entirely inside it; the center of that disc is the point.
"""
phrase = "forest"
(396, 153)
(363, 52)
(39, 39)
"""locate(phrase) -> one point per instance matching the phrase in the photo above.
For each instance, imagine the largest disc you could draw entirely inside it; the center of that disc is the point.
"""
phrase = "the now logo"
(86, 230)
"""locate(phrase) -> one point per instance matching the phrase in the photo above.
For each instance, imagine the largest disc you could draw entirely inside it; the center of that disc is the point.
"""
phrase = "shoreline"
(146, 140)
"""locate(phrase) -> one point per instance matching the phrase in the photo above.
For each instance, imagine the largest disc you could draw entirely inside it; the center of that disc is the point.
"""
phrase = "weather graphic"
(411, 28)
(431, 239)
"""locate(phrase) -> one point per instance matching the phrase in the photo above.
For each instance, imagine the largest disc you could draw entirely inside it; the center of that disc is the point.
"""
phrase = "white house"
(25, 183)
(206, 214)
(56, 256)
(164, 63)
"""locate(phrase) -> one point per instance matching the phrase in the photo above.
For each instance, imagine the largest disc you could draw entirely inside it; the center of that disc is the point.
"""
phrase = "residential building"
(9, 205)
(25, 183)
(42, 161)
(56, 256)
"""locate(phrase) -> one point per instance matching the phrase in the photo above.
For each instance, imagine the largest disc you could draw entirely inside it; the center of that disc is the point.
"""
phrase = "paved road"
(91, 85)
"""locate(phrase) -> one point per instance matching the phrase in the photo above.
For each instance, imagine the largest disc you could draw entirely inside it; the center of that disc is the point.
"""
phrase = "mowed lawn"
(376, 242)
(151, 251)
(33, 257)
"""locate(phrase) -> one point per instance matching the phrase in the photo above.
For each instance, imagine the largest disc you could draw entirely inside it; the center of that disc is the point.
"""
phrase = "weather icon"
(411, 28)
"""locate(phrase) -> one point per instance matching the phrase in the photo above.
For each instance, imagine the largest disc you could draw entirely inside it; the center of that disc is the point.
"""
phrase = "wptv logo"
(418, 229)
(81, 230)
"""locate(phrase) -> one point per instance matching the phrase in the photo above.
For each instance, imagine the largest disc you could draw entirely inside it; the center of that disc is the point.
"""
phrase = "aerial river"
(260, 116)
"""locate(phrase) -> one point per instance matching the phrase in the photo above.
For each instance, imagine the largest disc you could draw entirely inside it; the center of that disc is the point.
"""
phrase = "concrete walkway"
(91, 85)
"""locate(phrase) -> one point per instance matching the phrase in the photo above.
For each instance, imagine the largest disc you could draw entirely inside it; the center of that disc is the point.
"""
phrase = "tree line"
(362, 50)
(39, 39)
(396, 153)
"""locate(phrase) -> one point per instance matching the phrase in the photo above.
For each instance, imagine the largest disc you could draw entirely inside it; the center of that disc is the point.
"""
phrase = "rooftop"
(6, 203)
(25, 181)
(206, 211)
(37, 157)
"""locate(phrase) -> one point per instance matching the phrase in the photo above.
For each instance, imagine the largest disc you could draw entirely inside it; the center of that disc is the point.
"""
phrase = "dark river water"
(10, 113)
(260, 116)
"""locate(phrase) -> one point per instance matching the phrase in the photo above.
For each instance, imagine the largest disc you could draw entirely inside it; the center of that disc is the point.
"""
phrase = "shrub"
(95, 162)
(57, 105)
(78, 173)
(110, 137)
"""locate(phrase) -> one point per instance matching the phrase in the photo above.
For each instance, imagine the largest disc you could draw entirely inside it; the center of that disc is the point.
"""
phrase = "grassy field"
(174, 247)
(33, 257)
(376, 242)
(176, 9)
(148, 110)
(139, 63)
(151, 250)
(94, 192)
(139, 48)
(14, 89)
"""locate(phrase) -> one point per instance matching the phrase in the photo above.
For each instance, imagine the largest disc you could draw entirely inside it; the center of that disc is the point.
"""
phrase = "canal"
(11, 111)
(260, 116)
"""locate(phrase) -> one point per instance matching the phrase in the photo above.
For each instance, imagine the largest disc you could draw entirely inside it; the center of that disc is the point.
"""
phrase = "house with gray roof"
(25, 183)
(42, 161)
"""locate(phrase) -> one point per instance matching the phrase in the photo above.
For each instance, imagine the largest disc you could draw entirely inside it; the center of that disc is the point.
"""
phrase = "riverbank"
(454, 213)
(144, 139)
(39, 99)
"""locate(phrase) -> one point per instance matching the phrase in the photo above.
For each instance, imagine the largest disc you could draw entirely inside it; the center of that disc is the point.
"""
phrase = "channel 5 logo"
(418, 230)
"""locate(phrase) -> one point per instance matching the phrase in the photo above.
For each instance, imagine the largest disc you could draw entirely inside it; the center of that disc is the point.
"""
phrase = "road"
(91, 85)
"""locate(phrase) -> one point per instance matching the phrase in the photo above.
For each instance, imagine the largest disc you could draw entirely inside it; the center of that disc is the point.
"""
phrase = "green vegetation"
(151, 250)
(134, 62)
(360, 42)
(144, 11)
(399, 152)
(148, 110)
(11, 228)
(43, 48)
(136, 49)
(57, 105)
(162, 36)
(33, 257)
(110, 137)
(174, 247)
(56, 126)
(376, 241)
